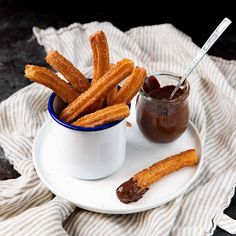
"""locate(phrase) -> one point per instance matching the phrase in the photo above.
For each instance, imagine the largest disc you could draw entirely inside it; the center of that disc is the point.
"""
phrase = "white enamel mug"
(87, 153)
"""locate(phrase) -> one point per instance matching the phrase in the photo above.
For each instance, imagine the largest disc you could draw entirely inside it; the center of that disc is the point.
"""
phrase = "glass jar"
(160, 119)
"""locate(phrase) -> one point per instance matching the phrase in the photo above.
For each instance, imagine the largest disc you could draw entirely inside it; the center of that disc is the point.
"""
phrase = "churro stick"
(131, 86)
(49, 79)
(133, 189)
(103, 116)
(101, 64)
(100, 51)
(71, 74)
(97, 91)
(111, 96)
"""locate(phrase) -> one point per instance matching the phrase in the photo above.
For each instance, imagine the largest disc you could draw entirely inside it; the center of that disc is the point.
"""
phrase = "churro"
(71, 74)
(133, 189)
(101, 64)
(111, 96)
(99, 90)
(104, 116)
(100, 52)
(131, 86)
(49, 79)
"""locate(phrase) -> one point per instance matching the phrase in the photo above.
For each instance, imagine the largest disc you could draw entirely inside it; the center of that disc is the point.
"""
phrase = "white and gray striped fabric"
(27, 207)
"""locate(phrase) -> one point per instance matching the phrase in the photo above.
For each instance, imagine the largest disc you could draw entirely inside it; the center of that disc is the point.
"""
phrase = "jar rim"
(174, 76)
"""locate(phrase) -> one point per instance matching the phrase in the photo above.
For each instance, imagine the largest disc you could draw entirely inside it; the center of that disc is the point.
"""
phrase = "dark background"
(18, 47)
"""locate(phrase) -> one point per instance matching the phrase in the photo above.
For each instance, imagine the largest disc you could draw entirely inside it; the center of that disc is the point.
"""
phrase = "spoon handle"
(211, 40)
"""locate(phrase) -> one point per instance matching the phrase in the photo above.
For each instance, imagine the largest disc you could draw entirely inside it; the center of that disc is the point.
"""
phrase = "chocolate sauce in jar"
(159, 118)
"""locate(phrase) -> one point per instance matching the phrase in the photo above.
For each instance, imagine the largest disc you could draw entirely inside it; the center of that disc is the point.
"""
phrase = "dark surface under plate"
(18, 46)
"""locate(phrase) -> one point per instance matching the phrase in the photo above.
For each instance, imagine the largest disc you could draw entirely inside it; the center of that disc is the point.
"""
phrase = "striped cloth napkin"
(27, 207)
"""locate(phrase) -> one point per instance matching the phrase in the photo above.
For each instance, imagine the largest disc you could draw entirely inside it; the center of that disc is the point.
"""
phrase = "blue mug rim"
(73, 127)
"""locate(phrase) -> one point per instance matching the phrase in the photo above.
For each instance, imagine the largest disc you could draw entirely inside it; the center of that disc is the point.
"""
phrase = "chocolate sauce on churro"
(160, 119)
(129, 191)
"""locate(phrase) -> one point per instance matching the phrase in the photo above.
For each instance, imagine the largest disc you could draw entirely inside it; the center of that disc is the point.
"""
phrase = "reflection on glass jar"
(160, 119)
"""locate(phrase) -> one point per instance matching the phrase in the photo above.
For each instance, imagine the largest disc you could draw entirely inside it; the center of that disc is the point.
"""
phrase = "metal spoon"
(211, 40)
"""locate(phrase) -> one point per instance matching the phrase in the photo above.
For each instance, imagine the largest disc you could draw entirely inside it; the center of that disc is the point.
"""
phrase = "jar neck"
(167, 81)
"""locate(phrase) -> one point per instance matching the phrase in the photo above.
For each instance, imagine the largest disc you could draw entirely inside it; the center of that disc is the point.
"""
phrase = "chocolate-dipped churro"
(133, 189)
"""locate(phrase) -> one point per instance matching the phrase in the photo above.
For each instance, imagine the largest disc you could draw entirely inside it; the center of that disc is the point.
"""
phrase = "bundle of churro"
(133, 189)
(98, 102)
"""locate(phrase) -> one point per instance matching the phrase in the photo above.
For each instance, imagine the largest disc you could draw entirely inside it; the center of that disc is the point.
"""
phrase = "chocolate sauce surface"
(160, 119)
(150, 84)
(165, 92)
(129, 191)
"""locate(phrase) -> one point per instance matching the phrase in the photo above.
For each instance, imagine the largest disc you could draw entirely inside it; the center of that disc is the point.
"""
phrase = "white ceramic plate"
(100, 195)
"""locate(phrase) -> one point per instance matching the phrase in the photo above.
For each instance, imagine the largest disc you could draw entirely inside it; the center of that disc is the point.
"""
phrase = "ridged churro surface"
(104, 116)
(162, 168)
(100, 50)
(131, 86)
(68, 70)
(49, 79)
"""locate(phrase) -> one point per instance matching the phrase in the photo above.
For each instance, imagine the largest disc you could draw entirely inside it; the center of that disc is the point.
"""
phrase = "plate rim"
(55, 191)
